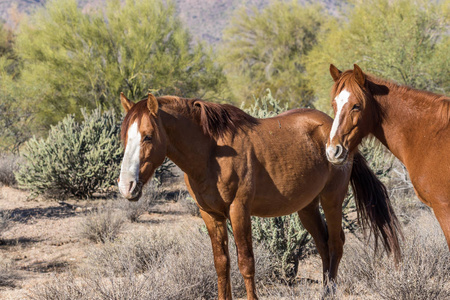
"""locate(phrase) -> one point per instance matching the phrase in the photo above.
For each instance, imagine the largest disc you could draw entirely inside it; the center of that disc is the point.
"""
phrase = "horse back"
(281, 162)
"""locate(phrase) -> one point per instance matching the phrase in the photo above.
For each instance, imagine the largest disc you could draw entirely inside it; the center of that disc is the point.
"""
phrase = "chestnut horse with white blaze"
(237, 166)
(412, 124)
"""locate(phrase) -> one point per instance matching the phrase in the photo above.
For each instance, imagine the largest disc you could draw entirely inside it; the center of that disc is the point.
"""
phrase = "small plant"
(103, 226)
(8, 274)
(265, 107)
(286, 239)
(5, 221)
(9, 164)
(76, 158)
(189, 204)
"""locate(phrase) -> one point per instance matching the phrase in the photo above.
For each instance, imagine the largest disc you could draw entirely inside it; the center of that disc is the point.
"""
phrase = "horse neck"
(188, 147)
(401, 115)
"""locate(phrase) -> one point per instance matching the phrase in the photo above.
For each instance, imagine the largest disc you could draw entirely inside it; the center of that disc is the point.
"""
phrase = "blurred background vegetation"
(66, 55)
(60, 58)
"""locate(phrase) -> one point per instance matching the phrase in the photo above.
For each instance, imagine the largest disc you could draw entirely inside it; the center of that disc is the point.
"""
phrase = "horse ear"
(335, 72)
(359, 75)
(126, 104)
(152, 104)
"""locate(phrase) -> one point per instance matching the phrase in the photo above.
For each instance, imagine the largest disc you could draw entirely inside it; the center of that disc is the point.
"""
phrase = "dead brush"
(9, 164)
(422, 274)
(102, 225)
(158, 263)
(8, 273)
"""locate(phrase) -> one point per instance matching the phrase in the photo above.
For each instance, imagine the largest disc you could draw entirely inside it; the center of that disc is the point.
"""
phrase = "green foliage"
(265, 107)
(75, 158)
(401, 40)
(285, 238)
(265, 49)
(15, 118)
(73, 58)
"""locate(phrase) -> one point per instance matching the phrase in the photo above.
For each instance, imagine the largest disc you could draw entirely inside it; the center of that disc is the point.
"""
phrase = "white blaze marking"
(341, 100)
(130, 163)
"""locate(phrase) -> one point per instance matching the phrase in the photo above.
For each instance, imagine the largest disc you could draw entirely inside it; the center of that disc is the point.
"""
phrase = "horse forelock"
(218, 120)
(348, 82)
(134, 114)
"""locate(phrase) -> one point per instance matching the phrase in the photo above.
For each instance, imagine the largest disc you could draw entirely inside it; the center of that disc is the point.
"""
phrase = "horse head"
(145, 145)
(355, 114)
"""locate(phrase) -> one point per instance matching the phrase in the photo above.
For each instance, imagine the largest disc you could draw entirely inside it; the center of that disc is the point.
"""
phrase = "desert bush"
(133, 210)
(102, 225)
(164, 172)
(265, 107)
(61, 287)
(5, 221)
(158, 263)
(286, 239)
(422, 274)
(76, 158)
(8, 274)
(9, 164)
(188, 204)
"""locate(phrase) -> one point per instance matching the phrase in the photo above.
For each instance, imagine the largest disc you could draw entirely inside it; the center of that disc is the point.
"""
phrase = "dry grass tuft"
(8, 274)
(188, 204)
(5, 221)
(161, 263)
(9, 164)
(423, 273)
(103, 225)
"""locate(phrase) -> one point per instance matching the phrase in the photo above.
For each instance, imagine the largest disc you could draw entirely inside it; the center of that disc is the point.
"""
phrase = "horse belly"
(290, 195)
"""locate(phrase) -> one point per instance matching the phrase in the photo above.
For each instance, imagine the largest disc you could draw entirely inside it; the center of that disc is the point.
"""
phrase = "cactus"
(76, 158)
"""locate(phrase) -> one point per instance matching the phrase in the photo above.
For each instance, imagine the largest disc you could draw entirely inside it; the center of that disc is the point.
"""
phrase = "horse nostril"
(339, 150)
(132, 186)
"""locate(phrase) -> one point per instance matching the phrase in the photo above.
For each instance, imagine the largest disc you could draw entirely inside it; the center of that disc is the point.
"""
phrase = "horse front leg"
(242, 230)
(217, 229)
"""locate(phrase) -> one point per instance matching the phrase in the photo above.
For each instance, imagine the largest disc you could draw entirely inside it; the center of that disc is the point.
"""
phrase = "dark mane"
(217, 120)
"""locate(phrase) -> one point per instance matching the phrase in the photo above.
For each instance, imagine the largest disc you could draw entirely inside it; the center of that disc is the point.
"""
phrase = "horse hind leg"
(314, 223)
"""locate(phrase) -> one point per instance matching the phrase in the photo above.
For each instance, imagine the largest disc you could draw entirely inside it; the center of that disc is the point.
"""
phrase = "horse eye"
(356, 107)
(147, 138)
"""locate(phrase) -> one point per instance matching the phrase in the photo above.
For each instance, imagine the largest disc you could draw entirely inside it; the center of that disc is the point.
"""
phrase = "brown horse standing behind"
(412, 124)
(237, 166)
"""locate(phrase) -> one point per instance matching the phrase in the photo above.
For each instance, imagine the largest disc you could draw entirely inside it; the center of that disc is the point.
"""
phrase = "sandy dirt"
(44, 238)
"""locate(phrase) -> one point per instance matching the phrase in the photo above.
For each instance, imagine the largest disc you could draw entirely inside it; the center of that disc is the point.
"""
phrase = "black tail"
(374, 207)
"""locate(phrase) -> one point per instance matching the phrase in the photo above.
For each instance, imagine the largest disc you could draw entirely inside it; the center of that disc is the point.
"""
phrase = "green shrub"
(75, 158)
(285, 238)
(266, 106)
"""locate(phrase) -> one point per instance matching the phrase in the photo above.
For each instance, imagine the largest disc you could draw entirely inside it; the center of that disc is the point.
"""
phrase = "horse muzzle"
(337, 155)
(130, 189)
